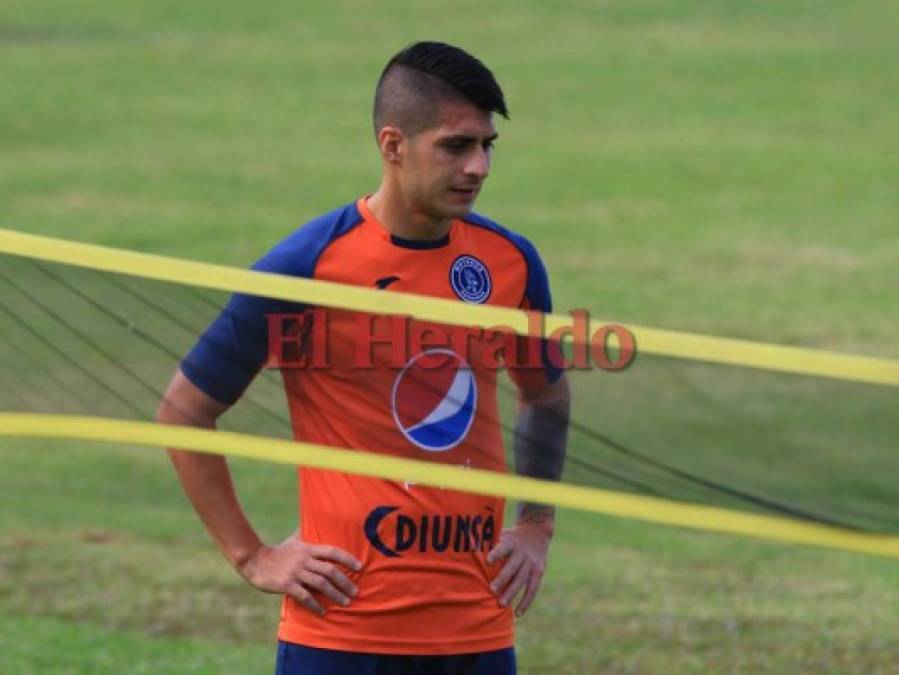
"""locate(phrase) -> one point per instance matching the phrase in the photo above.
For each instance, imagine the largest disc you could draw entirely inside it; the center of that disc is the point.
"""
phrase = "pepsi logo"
(434, 400)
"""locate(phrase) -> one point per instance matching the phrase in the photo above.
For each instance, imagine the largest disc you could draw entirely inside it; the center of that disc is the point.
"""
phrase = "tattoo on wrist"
(540, 514)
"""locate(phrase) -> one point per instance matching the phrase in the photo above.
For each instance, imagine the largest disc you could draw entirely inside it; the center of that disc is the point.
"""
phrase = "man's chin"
(461, 211)
(459, 208)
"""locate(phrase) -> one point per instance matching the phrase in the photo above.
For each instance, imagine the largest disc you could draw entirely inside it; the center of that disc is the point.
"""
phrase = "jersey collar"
(384, 233)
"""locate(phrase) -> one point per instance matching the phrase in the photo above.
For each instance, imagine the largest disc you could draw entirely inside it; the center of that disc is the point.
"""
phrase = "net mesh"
(80, 341)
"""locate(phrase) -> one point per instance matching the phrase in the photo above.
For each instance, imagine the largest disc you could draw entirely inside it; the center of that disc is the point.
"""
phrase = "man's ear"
(390, 143)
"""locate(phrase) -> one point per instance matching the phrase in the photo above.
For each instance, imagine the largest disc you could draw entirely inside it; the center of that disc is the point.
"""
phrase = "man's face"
(444, 167)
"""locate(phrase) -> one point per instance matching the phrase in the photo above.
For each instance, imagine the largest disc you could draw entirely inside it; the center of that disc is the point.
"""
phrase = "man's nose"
(478, 163)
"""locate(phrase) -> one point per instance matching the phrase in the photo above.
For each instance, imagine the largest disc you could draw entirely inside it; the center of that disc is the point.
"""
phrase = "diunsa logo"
(470, 279)
(437, 533)
(434, 400)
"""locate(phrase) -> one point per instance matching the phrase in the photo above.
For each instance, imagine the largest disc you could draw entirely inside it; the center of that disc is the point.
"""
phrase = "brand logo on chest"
(434, 400)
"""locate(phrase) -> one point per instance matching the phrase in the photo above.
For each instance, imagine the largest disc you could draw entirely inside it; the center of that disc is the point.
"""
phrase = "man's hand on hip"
(524, 547)
(301, 570)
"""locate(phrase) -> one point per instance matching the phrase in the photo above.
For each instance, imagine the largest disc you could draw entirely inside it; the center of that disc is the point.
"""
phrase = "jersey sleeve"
(234, 347)
(537, 297)
(228, 355)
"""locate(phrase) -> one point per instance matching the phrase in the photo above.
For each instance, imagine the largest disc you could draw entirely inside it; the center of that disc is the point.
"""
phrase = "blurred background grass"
(728, 168)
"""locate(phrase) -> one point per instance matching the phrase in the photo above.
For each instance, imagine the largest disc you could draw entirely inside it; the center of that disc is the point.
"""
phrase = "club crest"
(470, 279)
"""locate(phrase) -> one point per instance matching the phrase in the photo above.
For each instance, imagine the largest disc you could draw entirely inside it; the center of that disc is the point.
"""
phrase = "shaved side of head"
(417, 80)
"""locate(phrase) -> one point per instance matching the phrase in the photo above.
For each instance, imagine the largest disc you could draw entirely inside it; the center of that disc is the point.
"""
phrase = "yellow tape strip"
(469, 480)
(649, 340)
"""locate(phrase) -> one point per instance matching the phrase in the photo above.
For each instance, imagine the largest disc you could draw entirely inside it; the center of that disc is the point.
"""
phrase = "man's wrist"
(542, 516)
(241, 556)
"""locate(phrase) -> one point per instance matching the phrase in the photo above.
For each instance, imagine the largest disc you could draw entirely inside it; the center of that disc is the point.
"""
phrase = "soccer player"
(386, 576)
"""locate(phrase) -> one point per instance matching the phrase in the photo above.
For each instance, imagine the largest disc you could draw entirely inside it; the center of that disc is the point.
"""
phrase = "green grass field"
(725, 168)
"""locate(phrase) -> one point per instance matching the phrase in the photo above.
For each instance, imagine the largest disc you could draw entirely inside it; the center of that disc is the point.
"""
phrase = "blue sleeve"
(228, 355)
(538, 298)
(234, 347)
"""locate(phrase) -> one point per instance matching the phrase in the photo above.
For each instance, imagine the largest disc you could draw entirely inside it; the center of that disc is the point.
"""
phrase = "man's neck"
(401, 220)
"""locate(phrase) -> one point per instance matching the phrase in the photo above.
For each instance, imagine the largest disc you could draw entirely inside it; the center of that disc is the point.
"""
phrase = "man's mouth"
(466, 191)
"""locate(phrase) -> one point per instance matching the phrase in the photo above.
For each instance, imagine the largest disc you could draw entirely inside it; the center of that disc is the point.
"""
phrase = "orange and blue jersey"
(423, 587)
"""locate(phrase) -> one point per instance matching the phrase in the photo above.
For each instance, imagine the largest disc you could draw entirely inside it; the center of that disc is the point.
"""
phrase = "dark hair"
(417, 79)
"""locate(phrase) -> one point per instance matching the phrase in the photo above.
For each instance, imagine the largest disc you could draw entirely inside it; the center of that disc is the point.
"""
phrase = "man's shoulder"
(519, 241)
(300, 250)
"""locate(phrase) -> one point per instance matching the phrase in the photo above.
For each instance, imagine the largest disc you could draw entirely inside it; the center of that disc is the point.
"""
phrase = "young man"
(388, 576)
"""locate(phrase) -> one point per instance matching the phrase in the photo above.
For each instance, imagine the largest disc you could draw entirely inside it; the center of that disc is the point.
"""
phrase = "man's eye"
(488, 145)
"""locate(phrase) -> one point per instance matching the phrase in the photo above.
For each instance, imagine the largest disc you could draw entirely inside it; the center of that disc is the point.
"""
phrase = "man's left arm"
(541, 433)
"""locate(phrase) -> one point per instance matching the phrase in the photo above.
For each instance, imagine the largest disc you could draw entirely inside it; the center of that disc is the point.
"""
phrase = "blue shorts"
(296, 659)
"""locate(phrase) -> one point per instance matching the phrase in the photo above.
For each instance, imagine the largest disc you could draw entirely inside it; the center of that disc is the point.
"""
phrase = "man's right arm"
(292, 567)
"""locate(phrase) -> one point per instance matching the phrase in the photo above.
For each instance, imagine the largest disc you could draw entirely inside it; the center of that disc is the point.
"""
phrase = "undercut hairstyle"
(419, 78)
